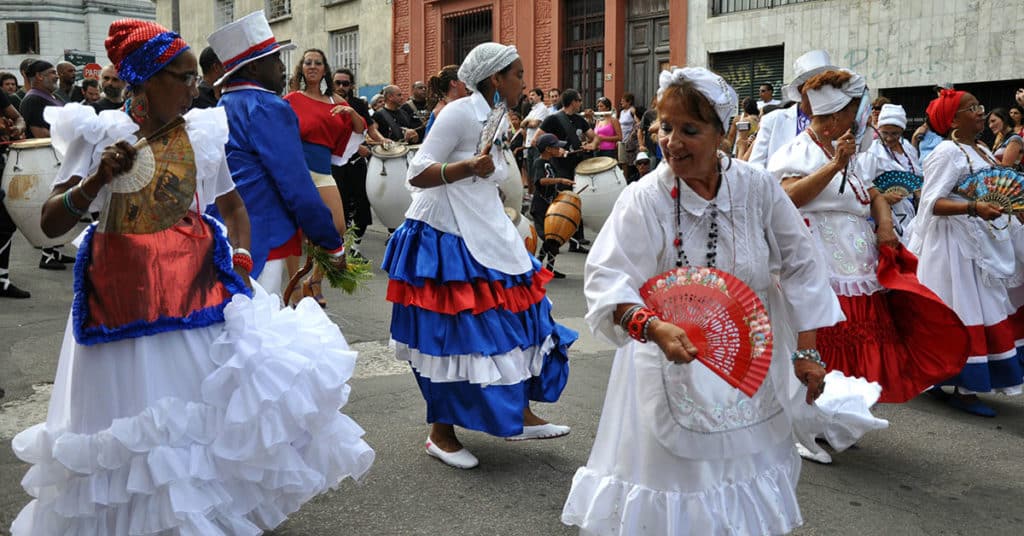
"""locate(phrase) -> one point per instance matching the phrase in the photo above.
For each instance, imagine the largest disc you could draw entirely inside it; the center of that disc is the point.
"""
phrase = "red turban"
(141, 48)
(942, 110)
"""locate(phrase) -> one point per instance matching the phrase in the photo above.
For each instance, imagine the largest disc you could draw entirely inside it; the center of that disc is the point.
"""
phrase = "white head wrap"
(484, 60)
(892, 114)
(719, 93)
(829, 100)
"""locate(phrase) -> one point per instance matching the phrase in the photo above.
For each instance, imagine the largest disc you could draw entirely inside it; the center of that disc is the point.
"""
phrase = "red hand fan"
(723, 318)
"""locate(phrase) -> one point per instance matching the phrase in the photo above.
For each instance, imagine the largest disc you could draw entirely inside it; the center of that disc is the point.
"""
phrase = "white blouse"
(469, 208)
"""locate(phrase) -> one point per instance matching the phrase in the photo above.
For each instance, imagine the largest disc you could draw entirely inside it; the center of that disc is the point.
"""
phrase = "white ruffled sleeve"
(208, 132)
(792, 160)
(624, 256)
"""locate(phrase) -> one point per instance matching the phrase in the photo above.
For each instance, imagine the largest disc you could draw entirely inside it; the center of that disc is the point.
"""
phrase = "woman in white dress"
(678, 451)
(971, 255)
(893, 152)
(185, 401)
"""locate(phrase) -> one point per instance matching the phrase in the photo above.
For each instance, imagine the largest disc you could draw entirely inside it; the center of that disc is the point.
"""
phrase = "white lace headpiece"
(718, 92)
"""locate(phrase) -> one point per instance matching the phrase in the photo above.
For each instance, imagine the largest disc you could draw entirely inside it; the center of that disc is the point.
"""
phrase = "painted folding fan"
(1000, 186)
(901, 182)
(723, 318)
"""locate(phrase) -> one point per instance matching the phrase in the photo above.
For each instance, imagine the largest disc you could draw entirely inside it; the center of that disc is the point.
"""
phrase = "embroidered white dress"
(975, 268)
(678, 451)
(218, 430)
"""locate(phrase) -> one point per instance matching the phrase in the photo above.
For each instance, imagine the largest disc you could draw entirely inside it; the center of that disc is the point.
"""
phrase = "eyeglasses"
(974, 108)
(308, 63)
(343, 83)
(189, 79)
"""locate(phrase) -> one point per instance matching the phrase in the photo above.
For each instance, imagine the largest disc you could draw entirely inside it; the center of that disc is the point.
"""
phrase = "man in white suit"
(780, 126)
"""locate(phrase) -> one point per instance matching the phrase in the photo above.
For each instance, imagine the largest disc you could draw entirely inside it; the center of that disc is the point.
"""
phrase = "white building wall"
(893, 43)
(308, 26)
(67, 24)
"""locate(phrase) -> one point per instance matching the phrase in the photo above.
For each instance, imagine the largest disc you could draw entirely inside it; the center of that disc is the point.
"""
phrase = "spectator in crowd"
(376, 103)
(554, 100)
(9, 84)
(445, 87)
(90, 91)
(628, 120)
(766, 96)
(393, 120)
(1017, 116)
(744, 128)
(925, 139)
(213, 69)
(537, 114)
(645, 134)
(642, 164)
(607, 131)
(66, 90)
(20, 94)
(1008, 145)
(112, 88)
(876, 108)
(416, 106)
(44, 82)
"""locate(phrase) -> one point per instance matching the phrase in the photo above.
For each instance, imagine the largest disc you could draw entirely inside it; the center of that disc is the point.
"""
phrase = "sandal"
(312, 289)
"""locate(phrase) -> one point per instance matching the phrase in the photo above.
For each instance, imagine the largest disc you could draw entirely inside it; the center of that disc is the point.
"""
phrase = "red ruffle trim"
(477, 296)
(995, 339)
(291, 248)
(905, 338)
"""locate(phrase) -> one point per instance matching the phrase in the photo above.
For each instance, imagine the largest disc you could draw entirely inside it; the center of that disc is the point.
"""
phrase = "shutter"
(746, 70)
(12, 38)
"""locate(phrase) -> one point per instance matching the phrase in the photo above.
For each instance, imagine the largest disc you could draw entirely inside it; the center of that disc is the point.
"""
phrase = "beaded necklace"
(681, 258)
(892, 154)
(860, 192)
(984, 156)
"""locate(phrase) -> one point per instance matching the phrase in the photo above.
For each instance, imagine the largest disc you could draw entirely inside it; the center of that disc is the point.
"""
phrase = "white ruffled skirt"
(224, 430)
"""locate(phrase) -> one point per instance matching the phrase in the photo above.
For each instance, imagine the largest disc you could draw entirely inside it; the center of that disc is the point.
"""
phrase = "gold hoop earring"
(954, 134)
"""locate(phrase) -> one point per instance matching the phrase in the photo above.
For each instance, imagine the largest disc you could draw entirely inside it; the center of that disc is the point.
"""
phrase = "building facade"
(353, 33)
(46, 29)
(904, 48)
(601, 47)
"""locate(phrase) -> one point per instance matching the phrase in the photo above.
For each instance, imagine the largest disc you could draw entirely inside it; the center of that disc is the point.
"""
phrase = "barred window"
(723, 7)
(223, 12)
(345, 50)
(465, 30)
(278, 8)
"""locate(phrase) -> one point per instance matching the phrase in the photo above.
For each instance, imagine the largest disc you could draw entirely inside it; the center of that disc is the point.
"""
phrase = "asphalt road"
(934, 471)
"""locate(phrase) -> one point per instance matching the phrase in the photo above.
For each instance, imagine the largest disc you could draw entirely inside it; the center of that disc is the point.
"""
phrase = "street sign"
(91, 71)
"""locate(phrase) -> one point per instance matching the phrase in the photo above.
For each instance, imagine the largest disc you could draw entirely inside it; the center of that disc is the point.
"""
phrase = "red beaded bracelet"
(638, 323)
(241, 260)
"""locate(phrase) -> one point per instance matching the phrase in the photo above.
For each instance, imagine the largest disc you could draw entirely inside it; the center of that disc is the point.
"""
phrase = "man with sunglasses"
(351, 177)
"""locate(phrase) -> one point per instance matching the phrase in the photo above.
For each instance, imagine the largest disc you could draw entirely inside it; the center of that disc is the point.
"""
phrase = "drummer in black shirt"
(547, 184)
(12, 127)
(568, 126)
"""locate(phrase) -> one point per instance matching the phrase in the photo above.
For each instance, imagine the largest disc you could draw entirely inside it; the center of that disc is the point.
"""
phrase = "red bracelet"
(241, 260)
(638, 323)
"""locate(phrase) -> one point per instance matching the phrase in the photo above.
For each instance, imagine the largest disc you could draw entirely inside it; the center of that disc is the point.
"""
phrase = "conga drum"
(385, 183)
(604, 182)
(512, 186)
(28, 177)
(563, 217)
(525, 228)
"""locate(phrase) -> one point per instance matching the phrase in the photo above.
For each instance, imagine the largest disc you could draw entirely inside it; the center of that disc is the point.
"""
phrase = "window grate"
(223, 12)
(583, 55)
(465, 30)
(724, 7)
(345, 50)
(278, 8)
(746, 70)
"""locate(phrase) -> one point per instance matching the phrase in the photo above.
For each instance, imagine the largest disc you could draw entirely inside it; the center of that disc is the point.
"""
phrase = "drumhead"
(31, 144)
(396, 150)
(593, 166)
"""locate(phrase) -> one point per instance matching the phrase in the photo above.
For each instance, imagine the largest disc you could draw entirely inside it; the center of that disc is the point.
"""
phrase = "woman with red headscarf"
(174, 409)
(971, 255)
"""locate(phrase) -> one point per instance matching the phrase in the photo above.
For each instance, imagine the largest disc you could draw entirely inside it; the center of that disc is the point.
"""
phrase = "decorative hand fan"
(904, 183)
(860, 124)
(490, 132)
(1001, 186)
(157, 192)
(723, 318)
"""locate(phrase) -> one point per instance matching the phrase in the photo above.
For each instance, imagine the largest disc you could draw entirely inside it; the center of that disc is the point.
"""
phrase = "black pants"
(351, 181)
(7, 228)
(549, 248)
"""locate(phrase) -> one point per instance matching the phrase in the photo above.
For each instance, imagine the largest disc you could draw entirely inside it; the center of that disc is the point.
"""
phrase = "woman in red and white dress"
(971, 255)
(831, 185)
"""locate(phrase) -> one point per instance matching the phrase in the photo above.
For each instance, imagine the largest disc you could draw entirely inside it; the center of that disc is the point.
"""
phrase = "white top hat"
(806, 66)
(243, 41)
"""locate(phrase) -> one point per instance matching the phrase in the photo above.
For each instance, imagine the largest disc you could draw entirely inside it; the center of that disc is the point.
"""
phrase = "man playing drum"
(12, 127)
(546, 186)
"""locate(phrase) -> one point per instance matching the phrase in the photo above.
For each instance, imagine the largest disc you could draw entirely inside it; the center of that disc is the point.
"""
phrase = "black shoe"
(558, 275)
(50, 262)
(578, 249)
(8, 290)
(584, 242)
(65, 259)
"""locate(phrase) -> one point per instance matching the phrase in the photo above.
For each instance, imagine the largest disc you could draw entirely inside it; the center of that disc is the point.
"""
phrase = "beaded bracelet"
(70, 205)
(647, 326)
(810, 354)
(639, 322)
(624, 319)
(972, 209)
(243, 261)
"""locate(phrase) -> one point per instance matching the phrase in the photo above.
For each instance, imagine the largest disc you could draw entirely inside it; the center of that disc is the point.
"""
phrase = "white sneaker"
(462, 458)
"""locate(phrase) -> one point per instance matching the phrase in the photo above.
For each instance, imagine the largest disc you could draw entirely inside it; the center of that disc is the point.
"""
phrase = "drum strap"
(570, 132)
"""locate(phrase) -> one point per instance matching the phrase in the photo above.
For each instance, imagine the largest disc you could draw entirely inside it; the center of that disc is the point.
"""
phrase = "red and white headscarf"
(140, 49)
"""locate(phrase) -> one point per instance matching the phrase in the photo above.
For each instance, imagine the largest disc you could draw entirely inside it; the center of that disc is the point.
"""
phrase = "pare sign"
(91, 71)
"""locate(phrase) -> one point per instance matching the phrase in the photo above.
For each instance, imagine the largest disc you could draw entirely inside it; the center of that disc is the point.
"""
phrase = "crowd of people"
(244, 426)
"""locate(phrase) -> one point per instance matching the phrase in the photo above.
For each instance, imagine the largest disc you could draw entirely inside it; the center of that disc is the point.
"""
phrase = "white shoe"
(462, 458)
(820, 456)
(540, 431)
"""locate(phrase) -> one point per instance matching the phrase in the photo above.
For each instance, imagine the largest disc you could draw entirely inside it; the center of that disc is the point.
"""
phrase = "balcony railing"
(724, 7)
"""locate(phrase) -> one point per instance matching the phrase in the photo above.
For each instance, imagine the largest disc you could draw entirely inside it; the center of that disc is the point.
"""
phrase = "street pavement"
(933, 472)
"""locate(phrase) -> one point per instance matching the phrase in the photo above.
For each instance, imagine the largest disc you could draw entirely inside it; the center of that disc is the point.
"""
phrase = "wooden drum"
(563, 217)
